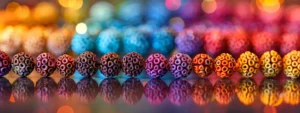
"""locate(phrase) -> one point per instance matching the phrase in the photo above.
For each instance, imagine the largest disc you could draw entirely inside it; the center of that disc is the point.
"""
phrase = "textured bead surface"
(34, 43)
(5, 90)
(289, 42)
(110, 64)
(156, 65)
(46, 88)
(163, 41)
(291, 64)
(59, 42)
(224, 91)
(224, 65)
(263, 41)
(22, 89)
(65, 65)
(291, 91)
(86, 64)
(132, 91)
(247, 90)
(270, 63)
(180, 65)
(214, 42)
(5, 63)
(110, 90)
(203, 65)
(247, 64)
(270, 92)
(87, 90)
(81, 43)
(238, 43)
(133, 64)
(179, 91)
(22, 64)
(66, 88)
(10, 40)
(189, 42)
(156, 91)
(45, 64)
(135, 41)
(202, 92)
(108, 40)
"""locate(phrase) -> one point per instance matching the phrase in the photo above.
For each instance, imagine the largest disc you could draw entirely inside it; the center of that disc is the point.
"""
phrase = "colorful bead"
(66, 88)
(23, 89)
(133, 64)
(189, 42)
(135, 41)
(247, 90)
(59, 41)
(291, 92)
(163, 41)
(289, 42)
(127, 15)
(214, 42)
(224, 65)
(108, 40)
(102, 11)
(65, 65)
(156, 65)
(247, 64)
(6, 90)
(81, 43)
(110, 64)
(35, 43)
(224, 91)
(46, 89)
(263, 42)
(203, 65)
(270, 92)
(180, 65)
(270, 63)
(156, 91)
(202, 92)
(291, 64)
(238, 43)
(132, 90)
(158, 14)
(10, 40)
(45, 64)
(179, 91)
(86, 64)
(5, 64)
(87, 90)
(110, 90)
(22, 64)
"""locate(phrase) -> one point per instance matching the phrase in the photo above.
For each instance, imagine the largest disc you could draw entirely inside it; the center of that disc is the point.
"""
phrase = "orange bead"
(291, 66)
(202, 65)
(248, 64)
(224, 65)
(270, 63)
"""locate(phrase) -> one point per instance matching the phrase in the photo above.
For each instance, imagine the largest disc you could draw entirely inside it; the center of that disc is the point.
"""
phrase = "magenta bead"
(5, 63)
(156, 91)
(180, 65)
(156, 65)
(45, 64)
(133, 64)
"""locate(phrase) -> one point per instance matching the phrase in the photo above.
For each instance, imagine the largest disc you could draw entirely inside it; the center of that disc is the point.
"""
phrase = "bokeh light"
(81, 28)
(209, 6)
(65, 109)
(73, 4)
(173, 4)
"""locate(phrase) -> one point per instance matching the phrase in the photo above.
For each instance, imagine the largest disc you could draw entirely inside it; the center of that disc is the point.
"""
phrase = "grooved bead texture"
(156, 65)
(86, 64)
(110, 64)
(5, 63)
(133, 64)
(224, 65)
(45, 89)
(202, 92)
(203, 65)
(110, 90)
(87, 90)
(23, 89)
(45, 64)
(156, 91)
(291, 64)
(248, 64)
(66, 88)
(224, 91)
(179, 91)
(65, 65)
(22, 64)
(132, 90)
(270, 63)
(180, 65)
(247, 90)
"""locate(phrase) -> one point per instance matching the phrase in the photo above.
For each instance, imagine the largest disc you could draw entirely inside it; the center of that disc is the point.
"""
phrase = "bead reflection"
(224, 91)
(132, 90)
(66, 88)
(246, 90)
(270, 92)
(46, 89)
(291, 90)
(22, 89)
(110, 90)
(87, 89)
(202, 92)
(179, 92)
(5, 90)
(156, 91)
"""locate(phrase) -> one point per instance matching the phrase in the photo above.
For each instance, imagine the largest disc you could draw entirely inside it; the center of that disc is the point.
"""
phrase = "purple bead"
(110, 90)
(133, 64)
(66, 88)
(179, 91)
(22, 89)
(132, 90)
(181, 65)
(189, 42)
(46, 89)
(22, 64)
(86, 64)
(5, 63)
(87, 90)
(156, 65)
(156, 91)
(45, 64)
(110, 64)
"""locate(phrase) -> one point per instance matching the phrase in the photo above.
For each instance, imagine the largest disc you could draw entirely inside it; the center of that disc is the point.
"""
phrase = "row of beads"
(156, 65)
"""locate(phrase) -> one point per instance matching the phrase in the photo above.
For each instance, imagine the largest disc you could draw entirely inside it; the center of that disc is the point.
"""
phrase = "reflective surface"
(122, 94)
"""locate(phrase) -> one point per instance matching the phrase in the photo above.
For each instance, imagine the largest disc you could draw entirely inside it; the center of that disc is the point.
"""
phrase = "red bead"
(45, 64)
(65, 65)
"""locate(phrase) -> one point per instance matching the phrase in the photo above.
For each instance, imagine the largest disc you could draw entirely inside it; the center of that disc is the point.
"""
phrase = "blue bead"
(163, 41)
(131, 12)
(108, 41)
(156, 11)
(135, 41)
(81, 43)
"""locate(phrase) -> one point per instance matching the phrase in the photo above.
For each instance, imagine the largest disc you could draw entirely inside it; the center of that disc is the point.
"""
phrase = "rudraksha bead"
(202, 92)
(45, 89)
(270, 92)
(291, 91)
(203, 65)
(87, 90)
(23, 89)
(132, 90)
(66, 88)
(133, 64)
(289, 42)
(5, 63)
(179, 91)
(22, 64)
(5, 90)
(238, 42)
(291, 64)
(110, 90)
(180, 65)
(86, 64)
(247, 90)
(65, 65)
(156, 65)
(248, 64)
(224, 65)
(156, 91)
(45, 64)
(263, 42)
(189, 42)
(224, 91)
(110, 64)
(214, 42)
(59, 41)
(270, 63)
